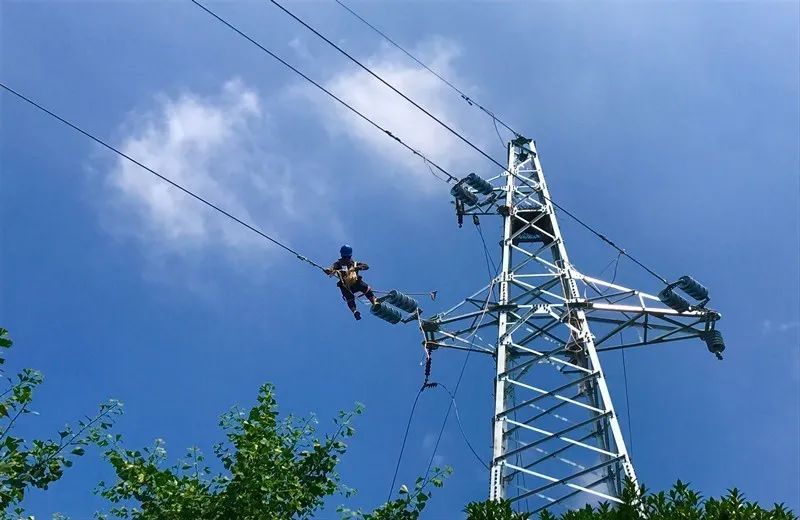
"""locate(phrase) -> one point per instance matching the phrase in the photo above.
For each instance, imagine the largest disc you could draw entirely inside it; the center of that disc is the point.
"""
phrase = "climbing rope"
(460, 426)
(403, 445)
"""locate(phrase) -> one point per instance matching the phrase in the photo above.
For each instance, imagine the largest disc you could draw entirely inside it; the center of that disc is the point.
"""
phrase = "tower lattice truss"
(556, 435)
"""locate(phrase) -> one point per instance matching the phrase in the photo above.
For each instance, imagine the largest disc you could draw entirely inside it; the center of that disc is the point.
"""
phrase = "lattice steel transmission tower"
(556, 435)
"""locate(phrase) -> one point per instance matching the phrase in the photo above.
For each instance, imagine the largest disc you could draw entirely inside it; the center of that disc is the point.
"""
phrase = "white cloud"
(218, 147)
(768, 326)
(368, 95)
(300, 49)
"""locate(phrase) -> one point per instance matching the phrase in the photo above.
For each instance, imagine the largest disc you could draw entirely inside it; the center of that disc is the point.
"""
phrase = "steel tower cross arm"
(556, 438)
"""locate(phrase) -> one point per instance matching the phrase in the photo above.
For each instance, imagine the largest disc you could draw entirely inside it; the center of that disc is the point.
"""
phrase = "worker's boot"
(357, 315)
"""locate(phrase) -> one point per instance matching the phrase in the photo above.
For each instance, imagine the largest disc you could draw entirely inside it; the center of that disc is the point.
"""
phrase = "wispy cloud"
(389, 110)
(300, 49)
(770, 327)
(218, 146)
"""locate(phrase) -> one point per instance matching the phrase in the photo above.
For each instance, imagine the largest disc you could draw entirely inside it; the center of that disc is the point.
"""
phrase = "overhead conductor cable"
(451, 130)
(325, 90)
(160, 176)
(465, 97)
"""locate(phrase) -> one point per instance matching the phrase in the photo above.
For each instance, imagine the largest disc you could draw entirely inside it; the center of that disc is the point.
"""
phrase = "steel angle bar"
(528, 223)
(532, 361)
(555, 280)
(550, 499)
(522, 320)
(496, 178)
(571, 442)
(645, 343)
(537, 291)
(598, 281)
(617, 329)
(478, 302)
(470, 343)
(486, 288)
(680, 327)
(549, 411)
(613, 298)
(461, 317)
(559, 397)
(548, 455)
(555, 454)
(552, 393)
(465, 349)
(534, 256)
(544, 332)
(536, 275)
(531, 224)
(560, 501)
(528, 181)
(566, 481)
(529, 298)
(701, 319)
(612, 321)
(542, 311)
(554, 359)
(653, 311)
(608, 297)
(564, 319)
(556, 435)
(474, 327)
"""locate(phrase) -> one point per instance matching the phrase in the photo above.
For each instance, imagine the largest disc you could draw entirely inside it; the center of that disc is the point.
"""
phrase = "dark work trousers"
(349, 293)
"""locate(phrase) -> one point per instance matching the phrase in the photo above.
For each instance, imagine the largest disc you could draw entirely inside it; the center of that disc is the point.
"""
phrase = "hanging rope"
(460, 426)
(403, 445)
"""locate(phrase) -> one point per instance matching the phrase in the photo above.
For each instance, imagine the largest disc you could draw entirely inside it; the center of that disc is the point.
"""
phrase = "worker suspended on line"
(350, 281)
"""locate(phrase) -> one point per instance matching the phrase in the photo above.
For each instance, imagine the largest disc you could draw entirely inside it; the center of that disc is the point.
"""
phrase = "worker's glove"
(329, 272)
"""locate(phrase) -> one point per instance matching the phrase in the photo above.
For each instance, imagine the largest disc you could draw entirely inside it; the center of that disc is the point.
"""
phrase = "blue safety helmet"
(346, 251)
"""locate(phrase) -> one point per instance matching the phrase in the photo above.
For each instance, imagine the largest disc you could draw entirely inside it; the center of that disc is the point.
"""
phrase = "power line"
(323, 89)
(461, 93)
(392, 87)
(403, 445)
(160, 176)
(457, 134)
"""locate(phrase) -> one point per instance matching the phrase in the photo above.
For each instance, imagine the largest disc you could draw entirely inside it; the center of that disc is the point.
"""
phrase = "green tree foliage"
(680, 503)
(272, 469)
(37, 463)
(408, 506)
(493, 510)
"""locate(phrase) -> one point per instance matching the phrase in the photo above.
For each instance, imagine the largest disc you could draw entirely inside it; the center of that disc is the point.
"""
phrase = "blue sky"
(672, 127)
